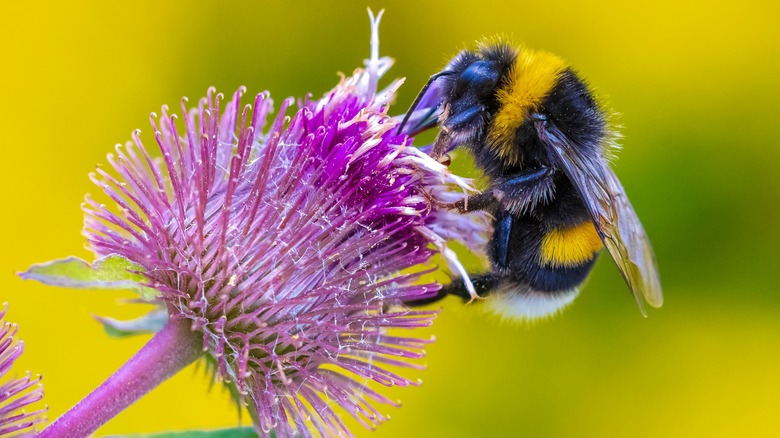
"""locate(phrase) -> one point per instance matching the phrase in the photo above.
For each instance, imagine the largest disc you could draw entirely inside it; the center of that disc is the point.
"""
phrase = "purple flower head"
(288, 243)
(17, 394)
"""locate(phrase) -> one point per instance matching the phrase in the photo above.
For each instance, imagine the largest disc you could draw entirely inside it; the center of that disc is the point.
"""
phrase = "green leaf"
(152, 322)
(236, 432)
(110, 272)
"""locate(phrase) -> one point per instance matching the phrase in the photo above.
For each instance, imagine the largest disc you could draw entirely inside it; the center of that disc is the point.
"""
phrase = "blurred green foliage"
(695, 83)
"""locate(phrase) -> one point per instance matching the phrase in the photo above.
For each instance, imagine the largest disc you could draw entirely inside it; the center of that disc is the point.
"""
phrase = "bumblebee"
(543, 141)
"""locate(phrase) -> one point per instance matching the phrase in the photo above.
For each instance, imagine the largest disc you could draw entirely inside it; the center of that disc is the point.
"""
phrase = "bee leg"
(454, 124)
(522, 181)
(480, 201)
(442, 143)
(525, 189)
(482, 283)
(501, 238)
(516, 193)
(445, 159)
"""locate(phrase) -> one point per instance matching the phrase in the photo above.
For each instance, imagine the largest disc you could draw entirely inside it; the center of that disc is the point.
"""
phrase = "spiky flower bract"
(18, 414)
(288, 245)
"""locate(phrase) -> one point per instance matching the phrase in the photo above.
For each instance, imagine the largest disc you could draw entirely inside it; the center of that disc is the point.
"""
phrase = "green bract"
(111, 272)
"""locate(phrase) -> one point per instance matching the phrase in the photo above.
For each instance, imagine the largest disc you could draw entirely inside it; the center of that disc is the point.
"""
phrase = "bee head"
(468, 90)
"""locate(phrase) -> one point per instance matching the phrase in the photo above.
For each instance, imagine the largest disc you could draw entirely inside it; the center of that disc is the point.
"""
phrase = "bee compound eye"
(480, 76)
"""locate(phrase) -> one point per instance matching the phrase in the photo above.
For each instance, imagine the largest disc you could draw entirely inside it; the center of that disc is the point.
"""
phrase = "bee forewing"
(640, 271)
(612, 213)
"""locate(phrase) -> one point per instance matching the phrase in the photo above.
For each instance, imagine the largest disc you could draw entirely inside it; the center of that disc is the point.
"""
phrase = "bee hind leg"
(483, 284)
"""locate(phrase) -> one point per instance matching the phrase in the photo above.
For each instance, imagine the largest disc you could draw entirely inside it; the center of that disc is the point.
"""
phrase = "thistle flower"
(19, 393)
(286, 248)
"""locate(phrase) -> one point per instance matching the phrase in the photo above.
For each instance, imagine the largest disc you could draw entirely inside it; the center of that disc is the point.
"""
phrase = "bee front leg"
(442, 143)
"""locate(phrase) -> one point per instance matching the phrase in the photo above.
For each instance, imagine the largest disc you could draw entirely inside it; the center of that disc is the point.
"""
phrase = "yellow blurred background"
(697, 86)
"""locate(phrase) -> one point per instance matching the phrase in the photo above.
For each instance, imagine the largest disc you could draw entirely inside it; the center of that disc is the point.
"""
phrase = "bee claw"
(459, 206)
(428, 195)
(474, 297)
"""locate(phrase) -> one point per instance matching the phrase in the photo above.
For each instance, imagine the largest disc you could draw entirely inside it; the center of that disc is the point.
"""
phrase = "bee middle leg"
(480, 201)
(517, 193)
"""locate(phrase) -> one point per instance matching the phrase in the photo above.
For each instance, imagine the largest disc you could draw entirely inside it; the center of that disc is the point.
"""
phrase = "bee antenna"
(420, 96)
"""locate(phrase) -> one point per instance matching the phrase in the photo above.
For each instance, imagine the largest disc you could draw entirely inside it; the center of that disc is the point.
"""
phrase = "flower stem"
(170, 350)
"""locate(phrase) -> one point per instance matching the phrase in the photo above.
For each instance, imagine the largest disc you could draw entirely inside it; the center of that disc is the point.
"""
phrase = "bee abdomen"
(518, 301)
(565, 258)
(548, 279)
(570, 246)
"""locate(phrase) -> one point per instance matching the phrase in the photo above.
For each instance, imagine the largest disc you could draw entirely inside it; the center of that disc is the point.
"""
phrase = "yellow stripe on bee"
(570, 246)
(531, 79)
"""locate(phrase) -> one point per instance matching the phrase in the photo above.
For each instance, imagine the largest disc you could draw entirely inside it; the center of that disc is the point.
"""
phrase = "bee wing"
(612, 213)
